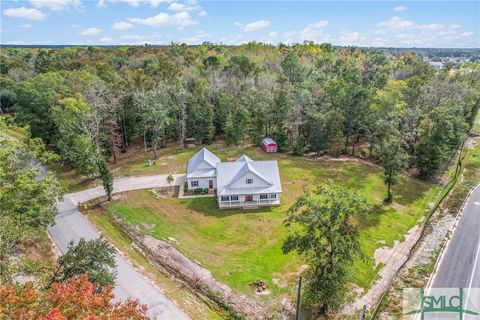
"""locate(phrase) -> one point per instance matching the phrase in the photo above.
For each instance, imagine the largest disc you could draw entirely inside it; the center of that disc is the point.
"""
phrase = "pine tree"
(107, 178)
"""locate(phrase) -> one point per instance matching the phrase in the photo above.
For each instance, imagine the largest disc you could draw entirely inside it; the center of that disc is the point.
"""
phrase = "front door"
(210, 184)
(248, 198)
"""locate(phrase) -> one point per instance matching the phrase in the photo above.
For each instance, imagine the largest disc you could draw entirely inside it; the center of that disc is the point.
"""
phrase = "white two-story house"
(244, 183)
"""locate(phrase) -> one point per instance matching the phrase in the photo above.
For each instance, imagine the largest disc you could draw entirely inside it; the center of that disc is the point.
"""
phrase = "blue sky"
(359, 23)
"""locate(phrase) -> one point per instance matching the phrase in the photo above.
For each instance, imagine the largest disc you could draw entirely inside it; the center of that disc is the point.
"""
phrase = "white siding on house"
(203, 183)
(256, 181)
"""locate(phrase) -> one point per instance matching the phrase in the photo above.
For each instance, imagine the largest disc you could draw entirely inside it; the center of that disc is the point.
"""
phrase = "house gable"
(244, 158)
(248, 172)
(202, 164)
(256, 181)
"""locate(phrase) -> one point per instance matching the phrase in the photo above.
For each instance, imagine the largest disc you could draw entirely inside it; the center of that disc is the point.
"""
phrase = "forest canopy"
(87, 103)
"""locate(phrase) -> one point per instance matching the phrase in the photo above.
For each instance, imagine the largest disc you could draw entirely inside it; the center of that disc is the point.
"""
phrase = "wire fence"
(437, 197)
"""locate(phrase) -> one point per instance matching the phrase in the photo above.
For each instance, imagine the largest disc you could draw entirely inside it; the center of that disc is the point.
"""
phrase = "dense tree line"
(27, 203)
(91, 103)
(79, 284)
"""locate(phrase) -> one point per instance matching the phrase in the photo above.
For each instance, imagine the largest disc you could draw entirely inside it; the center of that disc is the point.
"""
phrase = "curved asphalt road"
(72, 225)
(460, 264)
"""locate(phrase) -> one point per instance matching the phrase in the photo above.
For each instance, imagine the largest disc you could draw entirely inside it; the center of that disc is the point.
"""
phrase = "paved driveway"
(126, 184)
(72, 225)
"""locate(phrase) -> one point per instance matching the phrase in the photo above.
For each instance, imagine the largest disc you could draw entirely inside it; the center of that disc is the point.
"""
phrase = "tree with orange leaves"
(77, 298)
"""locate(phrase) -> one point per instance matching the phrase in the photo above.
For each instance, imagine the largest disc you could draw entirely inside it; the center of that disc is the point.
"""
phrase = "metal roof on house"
(268, 141)
(202, 173)
(246, 168)
(229, 172)
(202, 164)
(244, 158)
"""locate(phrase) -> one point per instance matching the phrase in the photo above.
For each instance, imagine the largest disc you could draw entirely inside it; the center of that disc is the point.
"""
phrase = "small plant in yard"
(170, 179)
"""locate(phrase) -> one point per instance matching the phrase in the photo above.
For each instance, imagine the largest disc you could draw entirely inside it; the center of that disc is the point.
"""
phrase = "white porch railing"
(238, 203)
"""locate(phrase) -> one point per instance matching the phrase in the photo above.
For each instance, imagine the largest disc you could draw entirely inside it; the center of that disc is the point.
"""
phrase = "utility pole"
(363, 313)
(299, 293)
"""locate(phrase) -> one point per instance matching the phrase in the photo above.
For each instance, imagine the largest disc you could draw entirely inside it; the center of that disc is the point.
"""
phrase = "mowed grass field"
(240, 247)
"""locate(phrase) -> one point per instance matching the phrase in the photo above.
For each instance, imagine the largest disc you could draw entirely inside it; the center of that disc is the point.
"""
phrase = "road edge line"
(450, 233)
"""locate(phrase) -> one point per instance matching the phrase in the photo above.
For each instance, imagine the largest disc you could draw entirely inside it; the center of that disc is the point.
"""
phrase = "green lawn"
(476, 126)
(240, 247)
(182, 298)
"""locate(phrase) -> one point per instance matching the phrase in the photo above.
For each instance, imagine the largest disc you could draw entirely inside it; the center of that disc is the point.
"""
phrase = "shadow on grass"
(409, 189)
(208, 207)
(371, 218)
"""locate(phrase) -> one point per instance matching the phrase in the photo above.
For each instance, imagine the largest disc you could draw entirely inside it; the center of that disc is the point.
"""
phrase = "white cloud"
(107, 40)
(271, 37)
(349, 38)
(22, 12)
(122, 25)
(89, 32)
(17, 42)
(134, 3)
(181, 20)
(252, 26)
(233, 40)
(402, 33)
(142, 38)
(312, 32)
(199, 37)
(400, 8)
(395, 23)
(26, 26)
(273, 34)
(56, 5)
(133, 36)
(155, 3)
(190, 6)
(175, 6)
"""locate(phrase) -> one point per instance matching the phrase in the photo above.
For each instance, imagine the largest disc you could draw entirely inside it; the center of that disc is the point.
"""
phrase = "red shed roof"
(268, 141)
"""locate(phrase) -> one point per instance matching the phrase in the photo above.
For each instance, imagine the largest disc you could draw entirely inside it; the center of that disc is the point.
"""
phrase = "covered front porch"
(248, 201)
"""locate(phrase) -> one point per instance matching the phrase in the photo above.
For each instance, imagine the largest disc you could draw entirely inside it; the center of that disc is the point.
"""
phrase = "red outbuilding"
(268, 145)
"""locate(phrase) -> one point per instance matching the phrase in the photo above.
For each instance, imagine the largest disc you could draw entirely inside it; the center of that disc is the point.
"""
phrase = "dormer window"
(249, 181)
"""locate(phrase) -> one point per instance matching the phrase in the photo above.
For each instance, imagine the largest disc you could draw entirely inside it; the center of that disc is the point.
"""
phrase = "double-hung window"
(225, 198)
(249, 181)
(234, 198)
(194, 183)
(263, 197)
(272, 196)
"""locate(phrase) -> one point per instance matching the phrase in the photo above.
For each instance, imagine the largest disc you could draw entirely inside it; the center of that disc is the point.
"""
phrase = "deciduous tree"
(77, 298)
(27, 199)
(324, 234)
(96, 258)
(394, 160)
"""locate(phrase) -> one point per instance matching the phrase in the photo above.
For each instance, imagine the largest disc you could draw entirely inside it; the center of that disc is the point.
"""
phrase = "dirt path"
(392, 259)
